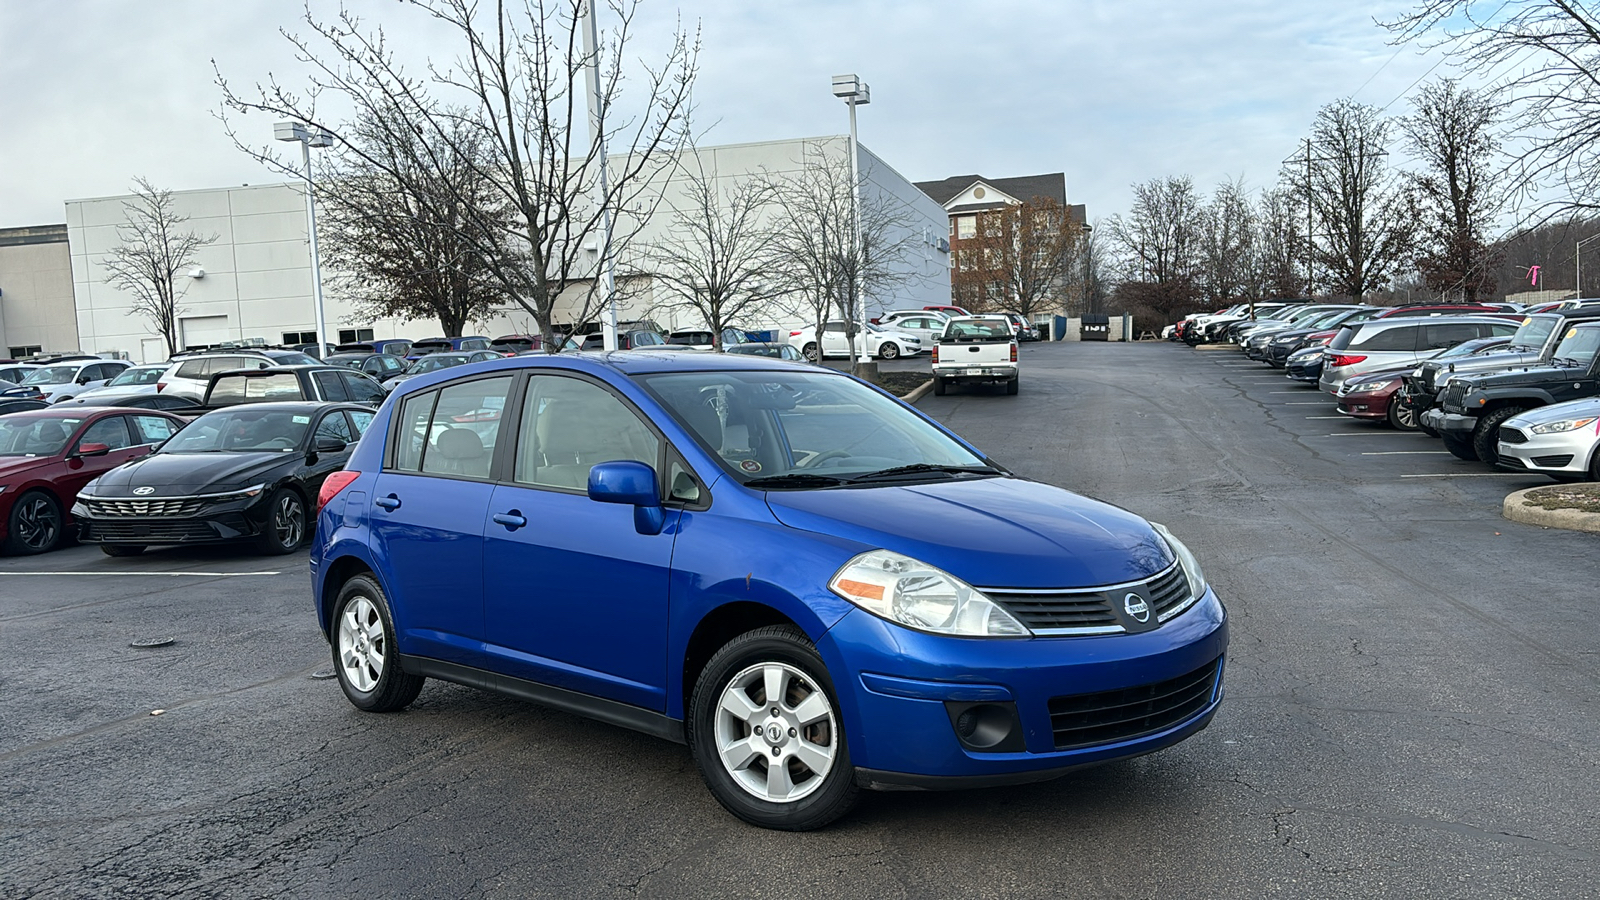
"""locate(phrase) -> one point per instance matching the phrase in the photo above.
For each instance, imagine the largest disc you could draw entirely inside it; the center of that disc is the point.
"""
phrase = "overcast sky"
(96, 92)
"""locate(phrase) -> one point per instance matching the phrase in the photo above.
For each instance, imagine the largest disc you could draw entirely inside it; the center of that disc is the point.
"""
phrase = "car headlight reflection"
(1186, 559)
(912, 593)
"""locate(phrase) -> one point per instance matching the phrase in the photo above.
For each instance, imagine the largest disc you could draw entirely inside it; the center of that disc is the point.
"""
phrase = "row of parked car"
(1516, 390)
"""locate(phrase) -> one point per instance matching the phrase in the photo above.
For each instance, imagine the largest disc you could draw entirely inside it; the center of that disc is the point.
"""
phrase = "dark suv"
(1471, 409)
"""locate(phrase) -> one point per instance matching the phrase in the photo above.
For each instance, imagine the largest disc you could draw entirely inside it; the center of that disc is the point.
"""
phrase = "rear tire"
(122, 549)
(1013, 385)
(938, 387)
(365, 655)
(734, 739)
(1486, 437)
(1459, 447)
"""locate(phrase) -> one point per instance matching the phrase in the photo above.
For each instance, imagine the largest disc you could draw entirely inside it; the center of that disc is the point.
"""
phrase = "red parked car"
(48, 455)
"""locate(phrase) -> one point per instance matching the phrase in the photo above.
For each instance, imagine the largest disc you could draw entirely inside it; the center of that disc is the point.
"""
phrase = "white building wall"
(36, 307)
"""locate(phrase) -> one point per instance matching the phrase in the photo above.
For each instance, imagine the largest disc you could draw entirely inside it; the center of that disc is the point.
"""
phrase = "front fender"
(1500, 396)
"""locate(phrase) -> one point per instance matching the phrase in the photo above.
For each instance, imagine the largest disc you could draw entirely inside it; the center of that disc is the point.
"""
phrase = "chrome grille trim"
(1033, 605)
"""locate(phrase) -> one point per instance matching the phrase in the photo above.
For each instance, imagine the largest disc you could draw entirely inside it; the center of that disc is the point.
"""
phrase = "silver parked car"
(1385, 343)
(1558, 440)
(923, 325)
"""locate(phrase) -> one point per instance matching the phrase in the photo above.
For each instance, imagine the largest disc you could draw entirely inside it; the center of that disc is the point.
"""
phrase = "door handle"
(390, 502)
(511, 520)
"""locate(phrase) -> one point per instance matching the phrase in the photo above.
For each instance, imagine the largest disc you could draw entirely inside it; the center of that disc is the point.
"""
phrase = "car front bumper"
(1565, 453)
(1455, 423)
(220, 524)
(902, 693)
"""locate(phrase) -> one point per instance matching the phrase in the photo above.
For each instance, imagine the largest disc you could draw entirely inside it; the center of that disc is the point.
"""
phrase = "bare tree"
(520, 76)
(1457, 192)
(1280, 245)
(1021, 256)
(1159, 242)
(1227, 245)
(719, 256)
(1087, 278)
(398, 246)
(153, 249)
(820, 260)
(1363, 226)
(1546, 56)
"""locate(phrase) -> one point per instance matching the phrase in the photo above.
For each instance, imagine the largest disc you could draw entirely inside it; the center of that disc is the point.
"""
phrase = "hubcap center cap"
(775, 733)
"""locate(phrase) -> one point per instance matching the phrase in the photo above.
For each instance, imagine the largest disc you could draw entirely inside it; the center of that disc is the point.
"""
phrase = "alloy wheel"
(38, 523)
(363, 648)
(289, 520)
(776, 732)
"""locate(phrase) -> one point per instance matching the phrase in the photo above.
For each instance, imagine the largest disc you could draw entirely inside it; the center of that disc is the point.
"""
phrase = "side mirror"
(330, 445)
(634, 483)
(92, 450)
(83, 379)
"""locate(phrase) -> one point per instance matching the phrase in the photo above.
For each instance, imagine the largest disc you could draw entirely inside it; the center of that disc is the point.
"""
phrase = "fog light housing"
(987, 727)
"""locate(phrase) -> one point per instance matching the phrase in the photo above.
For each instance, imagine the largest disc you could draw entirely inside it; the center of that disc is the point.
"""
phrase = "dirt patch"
(902, 383)
(1580, 497)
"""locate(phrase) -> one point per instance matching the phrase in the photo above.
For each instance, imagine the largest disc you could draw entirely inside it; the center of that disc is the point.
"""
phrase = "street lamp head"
(851, 89)
(290, 131)
(320, 138)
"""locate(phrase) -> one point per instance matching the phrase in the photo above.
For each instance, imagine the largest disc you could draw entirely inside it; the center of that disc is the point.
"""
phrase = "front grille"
(1512, 436)
(1454, 397)
(151, 531)
(1087, 720)
(1552, 462)
(1092, 610)
(176, 507)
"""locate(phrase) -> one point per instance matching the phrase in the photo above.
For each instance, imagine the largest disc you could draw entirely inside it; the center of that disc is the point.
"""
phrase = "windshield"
(1578, 346)
(690, 337)
(791, 430)
(431, 346)
(29, 436)
(241, 431)
(1534, 332)
(436, 361)
(294, 359)
(136, 376)
(52, 375)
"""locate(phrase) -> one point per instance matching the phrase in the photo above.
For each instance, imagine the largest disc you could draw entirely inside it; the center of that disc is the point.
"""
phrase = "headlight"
(246, 494)
(2, 488)
(917, 595)
(1559, 427)
(1191, 566)
(1374, 386)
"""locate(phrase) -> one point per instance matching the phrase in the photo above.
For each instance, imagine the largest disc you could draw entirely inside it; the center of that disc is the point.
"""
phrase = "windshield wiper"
(926, 468)
(796, 480)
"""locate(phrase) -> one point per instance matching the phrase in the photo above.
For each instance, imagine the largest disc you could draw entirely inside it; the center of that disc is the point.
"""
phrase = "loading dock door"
(199, 331)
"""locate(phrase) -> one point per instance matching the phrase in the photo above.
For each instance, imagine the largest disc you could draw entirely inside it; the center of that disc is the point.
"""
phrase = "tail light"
(161, 386)
(1322, 337)
(935, 352)
(335, 483)
(1013, 352)
(796, 333)
(1339, 360)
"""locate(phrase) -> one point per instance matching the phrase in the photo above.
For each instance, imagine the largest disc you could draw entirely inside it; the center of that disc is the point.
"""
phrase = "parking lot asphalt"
(1410, 704)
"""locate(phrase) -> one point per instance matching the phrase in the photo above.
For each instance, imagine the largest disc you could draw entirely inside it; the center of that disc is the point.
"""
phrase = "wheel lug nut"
(774, 751)
(791, 732)
(774, 712)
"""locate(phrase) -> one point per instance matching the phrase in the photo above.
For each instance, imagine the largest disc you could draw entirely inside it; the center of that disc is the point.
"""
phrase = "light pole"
(1577, 259)
(608, 269)
(308, 138)
(855, 92)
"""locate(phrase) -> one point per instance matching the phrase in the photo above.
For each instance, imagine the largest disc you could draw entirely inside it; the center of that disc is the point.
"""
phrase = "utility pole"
(597, 130)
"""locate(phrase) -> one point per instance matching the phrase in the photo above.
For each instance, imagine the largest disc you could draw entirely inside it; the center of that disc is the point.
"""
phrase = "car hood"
(121, 390)
(1526, 375)
(179, 474)
(1485, 362)
(12, 466)
(992, 532)
(1555, 412)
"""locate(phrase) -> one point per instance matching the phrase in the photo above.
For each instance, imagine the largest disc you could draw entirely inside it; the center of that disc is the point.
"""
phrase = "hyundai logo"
(1136, 607)
(142, 491)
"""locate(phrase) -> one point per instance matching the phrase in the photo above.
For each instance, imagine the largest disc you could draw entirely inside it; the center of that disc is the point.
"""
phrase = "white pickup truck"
(975, 350)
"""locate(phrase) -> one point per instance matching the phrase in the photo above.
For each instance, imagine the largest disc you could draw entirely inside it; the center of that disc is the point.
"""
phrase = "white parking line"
(1475, 475)
(1373, 433)
(1405, 453)
(1327, 417)
(1308, 403)
(1301, 393)
(168, 574)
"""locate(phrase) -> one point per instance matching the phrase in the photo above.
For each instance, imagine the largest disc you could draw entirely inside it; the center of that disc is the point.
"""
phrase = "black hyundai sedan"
(246, 473)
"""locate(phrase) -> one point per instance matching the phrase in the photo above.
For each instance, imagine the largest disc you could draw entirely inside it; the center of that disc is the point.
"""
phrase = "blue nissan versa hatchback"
(811, 584)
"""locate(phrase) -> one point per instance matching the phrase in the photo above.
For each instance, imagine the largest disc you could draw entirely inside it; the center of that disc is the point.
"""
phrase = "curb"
(1517, 509)
(1216, 346)
(918, 393)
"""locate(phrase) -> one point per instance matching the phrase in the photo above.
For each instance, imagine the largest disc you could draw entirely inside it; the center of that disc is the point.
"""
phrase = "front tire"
(1459, 447)
(286, 523)
(365, 655)
(888, 350)
(1401, 416)
(1486, 437)
(35, 525)
(766, 733)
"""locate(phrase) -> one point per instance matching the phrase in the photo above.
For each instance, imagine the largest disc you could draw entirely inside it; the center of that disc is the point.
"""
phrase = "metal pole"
(316, 260)
(857, 282)
(1577, 259)
(591, 43)
(1311, 236)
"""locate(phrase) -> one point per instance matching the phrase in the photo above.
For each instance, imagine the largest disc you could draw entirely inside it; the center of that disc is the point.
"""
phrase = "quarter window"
(569, 426)
(330, 385)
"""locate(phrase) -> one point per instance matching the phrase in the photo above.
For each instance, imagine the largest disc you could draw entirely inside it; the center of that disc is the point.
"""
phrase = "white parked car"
(188, 376)
(881, 343)
(15, 372)
(130, 382)
(60, 381)
(923, 325)
(976, 350)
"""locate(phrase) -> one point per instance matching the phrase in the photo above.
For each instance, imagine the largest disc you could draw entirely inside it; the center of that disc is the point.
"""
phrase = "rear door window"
(1448, 334)
(331, 386)
(1399, 338)
(465, 428)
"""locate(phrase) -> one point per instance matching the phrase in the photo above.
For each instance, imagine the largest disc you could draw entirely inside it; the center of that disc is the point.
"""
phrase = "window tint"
(1401, 338)
(1438, 337)
(151, 429)
(333, 425)
(465, 427)
(360, 421)
(330, 386)
(112, 432)
(361, 388)
(569, 425)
